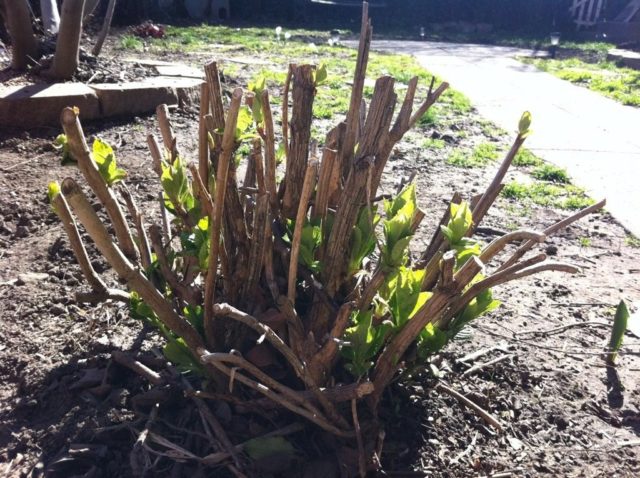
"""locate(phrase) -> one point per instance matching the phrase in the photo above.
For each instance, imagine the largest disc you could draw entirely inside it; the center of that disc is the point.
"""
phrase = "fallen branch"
(486, 416)
(481, 366)
(141, 369)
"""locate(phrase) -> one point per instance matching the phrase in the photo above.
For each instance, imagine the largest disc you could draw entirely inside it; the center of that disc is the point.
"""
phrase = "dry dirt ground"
(67, 410)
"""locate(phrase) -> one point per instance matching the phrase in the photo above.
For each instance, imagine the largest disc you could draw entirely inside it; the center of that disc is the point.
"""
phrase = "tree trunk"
(24, 44)
(106, 25)
(65, 61)
(90, 7)
(50, 16)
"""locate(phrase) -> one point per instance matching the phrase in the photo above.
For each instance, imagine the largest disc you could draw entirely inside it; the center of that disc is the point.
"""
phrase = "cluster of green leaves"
(310, 240)
(398, 300)
(178, 193)
(175, 350)
(456, 231)
(401, 296)
(103, 155)
(363, 238)
(433, 338)
(400, 213)
(195, 242)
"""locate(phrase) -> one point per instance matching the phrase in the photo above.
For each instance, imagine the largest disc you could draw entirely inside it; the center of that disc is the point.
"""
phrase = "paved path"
(596, 139)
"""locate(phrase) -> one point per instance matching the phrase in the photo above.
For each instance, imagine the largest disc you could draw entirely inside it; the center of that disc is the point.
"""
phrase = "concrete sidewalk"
(596, 139)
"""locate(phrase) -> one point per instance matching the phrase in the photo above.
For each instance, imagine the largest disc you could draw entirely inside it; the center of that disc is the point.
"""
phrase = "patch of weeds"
(456, 102)
(585, 242)
(526, 158)
(606, 77)
(430, 118)
(401, 67)
(519, 209)
(490, 130)
(512, 226)
(322, 111)
(564, 196)
(481, 155)
(244, 150)
(130, 42)
(632, 241)
(551, 173)
(433, 143)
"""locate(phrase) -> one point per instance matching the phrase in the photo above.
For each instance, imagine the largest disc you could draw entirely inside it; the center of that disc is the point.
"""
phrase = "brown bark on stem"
(221, 186)
(305, 195)
(301, 115)
(345, 154)
(269, 154)
(156, 153)
(80, 151)
(62, 210)
(203, 140)
(125, 269)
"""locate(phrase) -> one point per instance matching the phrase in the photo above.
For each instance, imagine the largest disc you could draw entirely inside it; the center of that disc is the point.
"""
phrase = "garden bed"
(68, 409)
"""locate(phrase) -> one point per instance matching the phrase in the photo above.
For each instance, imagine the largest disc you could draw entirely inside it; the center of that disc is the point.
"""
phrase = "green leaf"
(406, 196)
(245, 121)
(460, 222)
(364, 342)
(105, 158)
(53, 190)
(363, 238)
(482, 304)
(264, 447)
(177, 352)
(321, 74)
(177, 188)
(280, 153)
(398, 254)
(62, 144)
(617, 332)
(431, 341)
(525, 123)
(406, 297)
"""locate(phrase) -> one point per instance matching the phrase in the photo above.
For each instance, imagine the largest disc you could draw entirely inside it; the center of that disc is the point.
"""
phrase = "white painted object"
(586, 12)
(50, 16)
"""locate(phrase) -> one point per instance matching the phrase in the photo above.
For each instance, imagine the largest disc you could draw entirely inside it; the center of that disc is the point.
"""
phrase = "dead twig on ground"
(486, 416)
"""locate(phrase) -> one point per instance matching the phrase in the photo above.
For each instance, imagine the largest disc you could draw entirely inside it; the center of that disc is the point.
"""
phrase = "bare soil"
(67, 410)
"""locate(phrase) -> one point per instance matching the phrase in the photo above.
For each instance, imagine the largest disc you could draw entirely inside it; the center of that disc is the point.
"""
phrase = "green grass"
(491, 130)
(432, 143)
(526, 158)
(584, 242)
(632, 241)
(130, 42)
(479, 157)
(430, 118)
(565, 196)
(605, 77)
(259, 46)
(551, 173)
